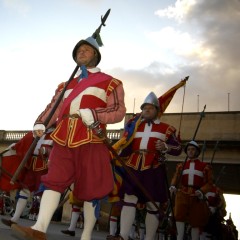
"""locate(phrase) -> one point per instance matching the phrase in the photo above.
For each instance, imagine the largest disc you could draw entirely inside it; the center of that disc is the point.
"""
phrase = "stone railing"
(14, 136)
(11, 136)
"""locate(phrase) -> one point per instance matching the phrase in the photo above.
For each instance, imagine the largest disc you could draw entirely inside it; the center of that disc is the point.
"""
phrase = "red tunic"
(193, 174)
(78, 156)
(10, 163)
(189, 208)
(143, 144)
(35, 167)
(90, 93)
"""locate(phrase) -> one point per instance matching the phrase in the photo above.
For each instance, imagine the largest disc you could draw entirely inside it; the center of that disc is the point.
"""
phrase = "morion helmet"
(91, 41)
(94, 41)
(151, 99)
(192, 143)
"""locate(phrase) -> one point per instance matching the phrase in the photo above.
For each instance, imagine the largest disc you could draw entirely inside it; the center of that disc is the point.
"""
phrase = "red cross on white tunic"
(191, 172)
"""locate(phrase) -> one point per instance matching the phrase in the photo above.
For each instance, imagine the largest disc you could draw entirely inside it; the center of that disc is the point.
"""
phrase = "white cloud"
(178, 11)
(20, 6)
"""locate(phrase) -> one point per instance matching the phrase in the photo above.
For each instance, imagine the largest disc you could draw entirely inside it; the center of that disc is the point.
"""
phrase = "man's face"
(149, 112)
(85, 56)
(192, 152)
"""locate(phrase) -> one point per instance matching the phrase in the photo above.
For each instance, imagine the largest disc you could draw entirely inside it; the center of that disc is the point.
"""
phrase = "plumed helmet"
(89, 41)
(192, 143)
(151, 99)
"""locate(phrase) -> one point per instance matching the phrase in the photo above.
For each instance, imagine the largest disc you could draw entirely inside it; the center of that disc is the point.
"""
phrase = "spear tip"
(104, 18)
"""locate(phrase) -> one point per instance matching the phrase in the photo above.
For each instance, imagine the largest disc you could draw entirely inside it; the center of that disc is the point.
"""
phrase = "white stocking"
(127, 216)
(151, 221)
(132, 231)
(113, 225)
(24, 194)
(180, 230)
(49, 202)
(195, 233)
(74, 218)
(89, 220)
(142, 231)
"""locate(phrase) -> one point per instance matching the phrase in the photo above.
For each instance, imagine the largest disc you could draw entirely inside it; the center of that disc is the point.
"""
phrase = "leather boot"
(28, 233)
(7, 222)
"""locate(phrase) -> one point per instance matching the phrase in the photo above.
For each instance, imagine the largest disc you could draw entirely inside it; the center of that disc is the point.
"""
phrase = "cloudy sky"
(149, 45)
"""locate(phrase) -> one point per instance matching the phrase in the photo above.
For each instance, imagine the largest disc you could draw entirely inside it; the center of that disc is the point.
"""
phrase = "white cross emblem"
(146, 134)
(191, 173)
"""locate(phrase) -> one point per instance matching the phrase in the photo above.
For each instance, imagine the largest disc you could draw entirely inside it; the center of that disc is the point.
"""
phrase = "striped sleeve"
(115, 110)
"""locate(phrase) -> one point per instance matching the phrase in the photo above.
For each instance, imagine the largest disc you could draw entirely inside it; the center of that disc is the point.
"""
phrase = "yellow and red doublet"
(137, 147)
(91, 93)
(77, 152)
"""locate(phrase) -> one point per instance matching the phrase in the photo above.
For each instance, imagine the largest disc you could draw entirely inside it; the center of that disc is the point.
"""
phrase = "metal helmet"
(89, 41)
(151, 99)
(192, 143)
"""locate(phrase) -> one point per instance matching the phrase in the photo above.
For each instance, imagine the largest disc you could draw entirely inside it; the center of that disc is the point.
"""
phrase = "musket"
(47, 120)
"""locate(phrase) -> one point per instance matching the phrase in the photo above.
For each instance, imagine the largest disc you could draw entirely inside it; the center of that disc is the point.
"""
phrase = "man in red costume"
(148, 139)
(195, 178)
(217, 207)
(36, 166)
(78, 156)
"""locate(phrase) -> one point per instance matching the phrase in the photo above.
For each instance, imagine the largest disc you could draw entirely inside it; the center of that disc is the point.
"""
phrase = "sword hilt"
(95, 127)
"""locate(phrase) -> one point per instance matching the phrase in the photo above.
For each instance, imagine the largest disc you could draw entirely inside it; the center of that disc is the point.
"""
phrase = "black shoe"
(70, 233)
(7, 222)
(110, 237)
(117, 238)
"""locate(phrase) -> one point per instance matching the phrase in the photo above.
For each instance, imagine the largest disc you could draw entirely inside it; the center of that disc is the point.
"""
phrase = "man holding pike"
(148, 140)
(78, 156)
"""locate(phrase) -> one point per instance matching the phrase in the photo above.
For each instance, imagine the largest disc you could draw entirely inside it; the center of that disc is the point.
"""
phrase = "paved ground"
(54, 231)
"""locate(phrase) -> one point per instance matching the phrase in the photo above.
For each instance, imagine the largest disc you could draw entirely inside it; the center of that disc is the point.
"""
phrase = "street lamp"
(198, 103)
(228, 101)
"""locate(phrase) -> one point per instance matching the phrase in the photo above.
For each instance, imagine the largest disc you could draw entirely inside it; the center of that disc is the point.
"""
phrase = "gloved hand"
(87, 116)
(199, 194)
(173, 190)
